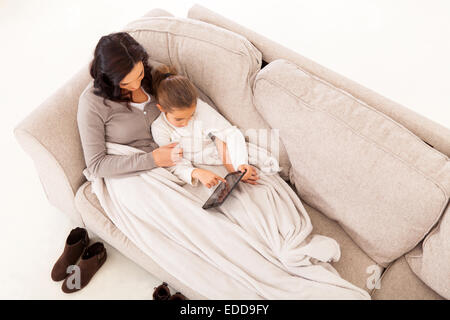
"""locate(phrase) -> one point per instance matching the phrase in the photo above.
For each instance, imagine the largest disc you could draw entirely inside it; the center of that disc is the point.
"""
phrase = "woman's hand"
(168, 155)
(251, 175)
(208, 178)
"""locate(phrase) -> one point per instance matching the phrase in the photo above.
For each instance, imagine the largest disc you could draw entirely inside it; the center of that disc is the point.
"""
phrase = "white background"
(400, 49)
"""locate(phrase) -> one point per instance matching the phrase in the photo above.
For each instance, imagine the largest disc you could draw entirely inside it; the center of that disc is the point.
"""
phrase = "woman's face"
(132, 81)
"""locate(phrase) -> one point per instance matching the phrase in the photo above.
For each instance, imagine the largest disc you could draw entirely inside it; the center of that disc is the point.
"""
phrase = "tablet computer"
(224, 189)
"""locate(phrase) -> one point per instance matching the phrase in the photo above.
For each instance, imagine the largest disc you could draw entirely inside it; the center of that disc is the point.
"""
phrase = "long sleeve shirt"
(198, 148)
(99, 124)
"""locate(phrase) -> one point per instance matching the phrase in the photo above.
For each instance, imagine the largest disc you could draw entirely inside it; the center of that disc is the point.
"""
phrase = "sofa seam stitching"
(438, 225)
(241, 53)
(187, 20)
(94, 205)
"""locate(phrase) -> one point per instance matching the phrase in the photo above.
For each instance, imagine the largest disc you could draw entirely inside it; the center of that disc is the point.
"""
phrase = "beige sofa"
(50, 136)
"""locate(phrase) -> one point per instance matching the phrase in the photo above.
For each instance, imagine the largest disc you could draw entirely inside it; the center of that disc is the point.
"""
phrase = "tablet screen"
(223, 189)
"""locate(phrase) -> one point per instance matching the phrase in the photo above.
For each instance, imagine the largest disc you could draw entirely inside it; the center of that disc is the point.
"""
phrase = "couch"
(349, 149)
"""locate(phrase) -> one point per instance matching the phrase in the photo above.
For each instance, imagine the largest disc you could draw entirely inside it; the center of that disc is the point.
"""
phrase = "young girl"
(194, 124)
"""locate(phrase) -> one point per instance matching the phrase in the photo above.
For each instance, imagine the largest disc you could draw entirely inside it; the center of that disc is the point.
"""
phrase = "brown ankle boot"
(162, 292)
(177, 296)
(91, 260)
(76, 242)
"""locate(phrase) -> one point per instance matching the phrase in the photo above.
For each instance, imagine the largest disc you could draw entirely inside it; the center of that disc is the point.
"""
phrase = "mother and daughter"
(126, 91)
(257, 244)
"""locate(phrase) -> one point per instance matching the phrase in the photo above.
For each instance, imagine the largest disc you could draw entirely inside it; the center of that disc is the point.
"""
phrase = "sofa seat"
(352, 266)
(354, 263)
(398, 282)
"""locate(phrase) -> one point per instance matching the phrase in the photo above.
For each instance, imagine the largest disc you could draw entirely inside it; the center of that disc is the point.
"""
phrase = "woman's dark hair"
(114, 57)
(173, 91)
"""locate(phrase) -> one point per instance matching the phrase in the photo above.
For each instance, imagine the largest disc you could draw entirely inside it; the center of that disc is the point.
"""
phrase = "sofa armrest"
(49, 135)
(429, 131)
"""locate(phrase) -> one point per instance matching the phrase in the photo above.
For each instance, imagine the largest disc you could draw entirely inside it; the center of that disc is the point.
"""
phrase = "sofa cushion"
(384, 185)
(220, 63)
(431, 260)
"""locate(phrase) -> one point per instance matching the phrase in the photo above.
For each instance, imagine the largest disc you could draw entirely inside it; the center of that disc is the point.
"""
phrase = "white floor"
(397, 48)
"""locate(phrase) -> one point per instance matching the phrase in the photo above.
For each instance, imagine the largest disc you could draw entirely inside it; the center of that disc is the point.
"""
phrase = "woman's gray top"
(99, 124)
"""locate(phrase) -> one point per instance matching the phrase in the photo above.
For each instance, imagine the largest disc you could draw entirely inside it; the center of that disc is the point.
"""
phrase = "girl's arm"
(232, 142)
(229, 140)
(250, 177)
(223, 154)
(232, 148)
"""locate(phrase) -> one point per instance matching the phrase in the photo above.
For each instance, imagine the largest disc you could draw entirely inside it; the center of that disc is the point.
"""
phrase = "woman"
(119, 106)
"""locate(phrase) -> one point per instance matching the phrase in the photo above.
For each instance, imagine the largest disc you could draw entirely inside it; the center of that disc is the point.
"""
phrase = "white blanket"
(257, 245)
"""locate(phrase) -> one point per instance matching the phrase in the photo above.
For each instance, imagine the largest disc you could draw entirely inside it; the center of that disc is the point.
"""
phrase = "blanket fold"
(257, 245)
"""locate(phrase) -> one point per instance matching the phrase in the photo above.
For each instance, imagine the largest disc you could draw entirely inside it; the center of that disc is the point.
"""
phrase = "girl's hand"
(208, 178)
(251, 175)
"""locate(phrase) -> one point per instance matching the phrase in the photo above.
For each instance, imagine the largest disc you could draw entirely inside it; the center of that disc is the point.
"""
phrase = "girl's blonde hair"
(173, 91)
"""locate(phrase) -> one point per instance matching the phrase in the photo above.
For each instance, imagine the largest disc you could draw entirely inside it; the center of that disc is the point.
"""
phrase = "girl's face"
(179, 117)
